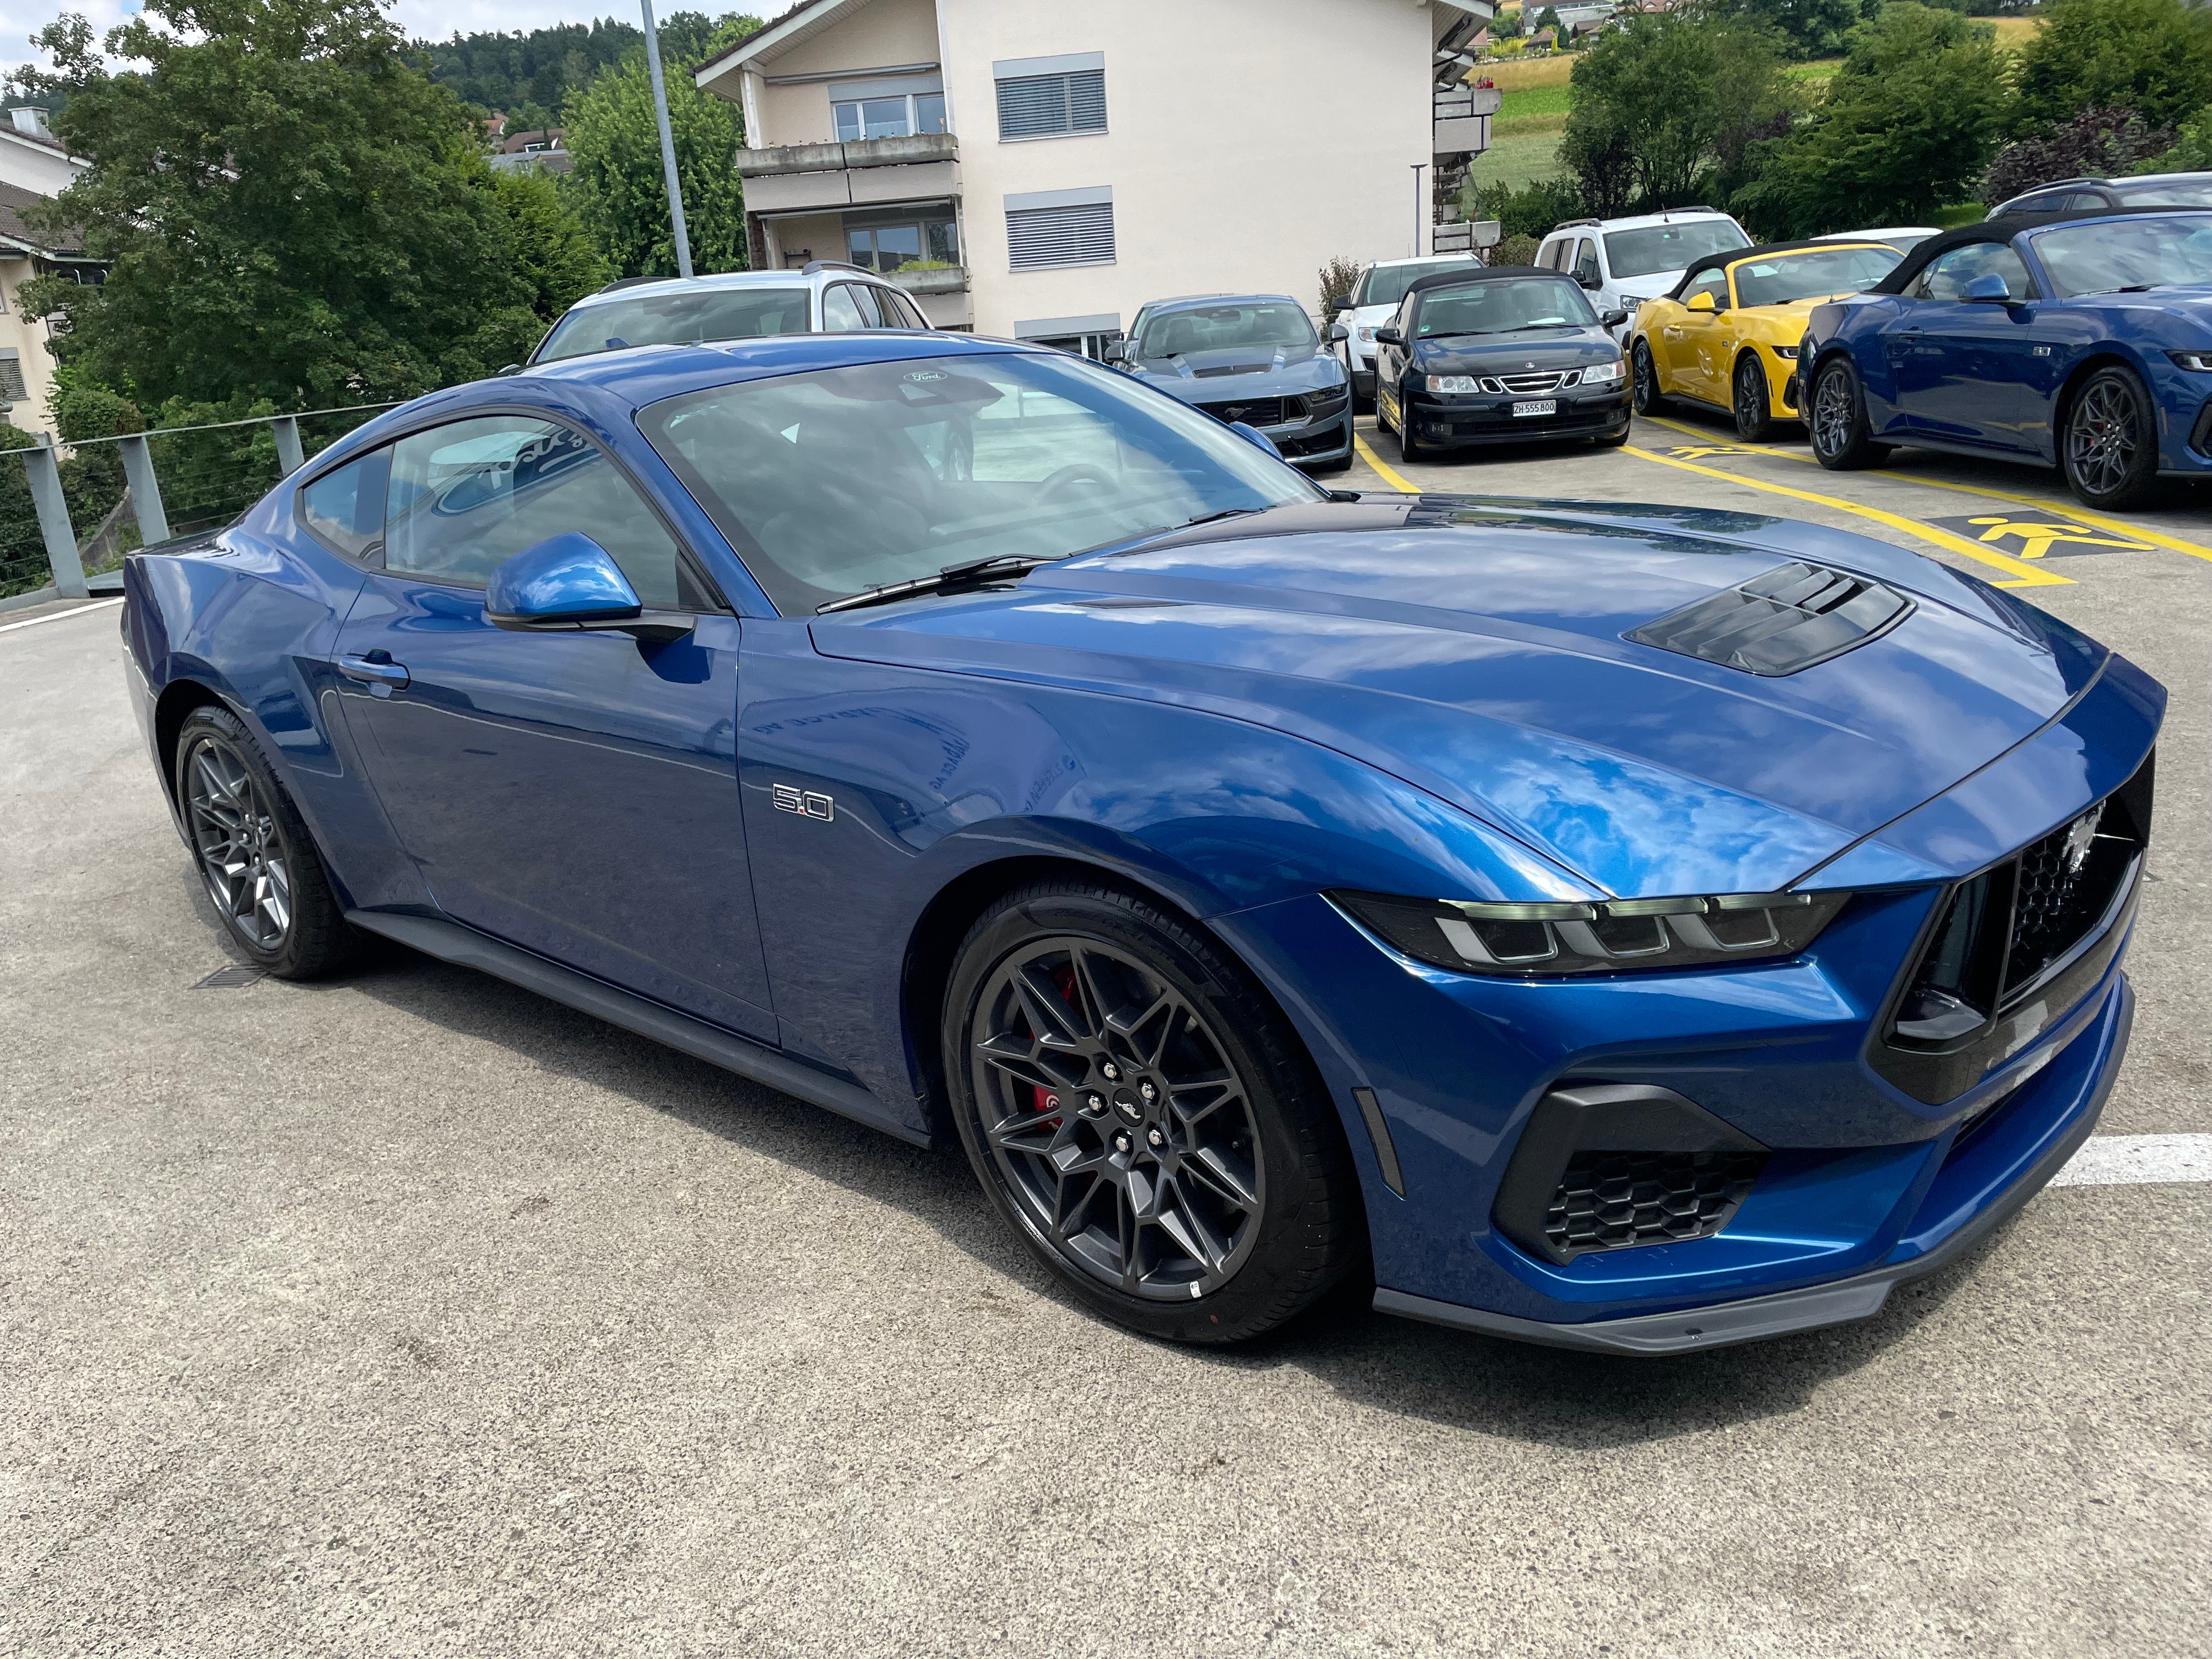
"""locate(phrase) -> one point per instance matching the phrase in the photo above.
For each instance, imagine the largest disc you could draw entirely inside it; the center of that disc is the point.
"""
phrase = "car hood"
(1521, 350)
(2189, 306)
(1237, 375)
(1474, 648)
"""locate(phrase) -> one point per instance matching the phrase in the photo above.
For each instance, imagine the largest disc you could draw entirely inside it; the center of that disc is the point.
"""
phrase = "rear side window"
(899, 312)
(1586, 262)
(344, 509)
(841, 312)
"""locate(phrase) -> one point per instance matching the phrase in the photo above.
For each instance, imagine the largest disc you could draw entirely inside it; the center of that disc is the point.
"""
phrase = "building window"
(1049, 229)
(890, 243)
(1051, 97)
(898, 116)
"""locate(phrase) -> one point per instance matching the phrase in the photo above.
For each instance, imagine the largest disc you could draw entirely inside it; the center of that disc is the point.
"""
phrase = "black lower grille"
(1610, 1200)
(1257, 411)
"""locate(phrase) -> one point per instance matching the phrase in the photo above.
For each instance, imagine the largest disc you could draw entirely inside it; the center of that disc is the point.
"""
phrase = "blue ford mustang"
(1628, 927)
(2081, 341)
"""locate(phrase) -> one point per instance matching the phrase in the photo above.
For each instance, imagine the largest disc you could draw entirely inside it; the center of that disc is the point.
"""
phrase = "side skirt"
(449, 941)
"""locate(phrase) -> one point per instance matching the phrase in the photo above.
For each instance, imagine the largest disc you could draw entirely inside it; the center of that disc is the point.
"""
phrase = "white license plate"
(1539, 406)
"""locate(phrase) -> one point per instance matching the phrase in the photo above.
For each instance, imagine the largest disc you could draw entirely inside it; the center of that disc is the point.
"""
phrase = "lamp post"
(667, 142)
(1417, 166)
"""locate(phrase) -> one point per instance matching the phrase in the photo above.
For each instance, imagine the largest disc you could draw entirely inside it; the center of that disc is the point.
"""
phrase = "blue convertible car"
(1627, 927)
(2081, 340)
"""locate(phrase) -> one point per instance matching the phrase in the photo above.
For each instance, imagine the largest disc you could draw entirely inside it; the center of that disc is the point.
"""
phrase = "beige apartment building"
(1041, 170)
(33, 168)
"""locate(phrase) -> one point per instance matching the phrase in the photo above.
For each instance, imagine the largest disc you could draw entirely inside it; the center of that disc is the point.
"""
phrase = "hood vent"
(1231, 368)
(1790, 618)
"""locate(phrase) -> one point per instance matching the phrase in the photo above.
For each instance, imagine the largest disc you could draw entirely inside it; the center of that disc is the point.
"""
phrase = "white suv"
(1625, 262)
(826, 296)
(1371, 304)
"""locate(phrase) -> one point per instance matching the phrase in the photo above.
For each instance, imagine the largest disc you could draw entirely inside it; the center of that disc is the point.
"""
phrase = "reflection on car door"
(574, 793)
(1976, 372)
(1686, 339)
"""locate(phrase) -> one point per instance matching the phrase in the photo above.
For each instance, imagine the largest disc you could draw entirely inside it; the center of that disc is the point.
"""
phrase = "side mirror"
(1589, 279)
(1117, 351)
(1338, 333)
(1987, 289)
(1257, 439)
(512, 368)
(1702, 301)
(1388, 336)
(1613, 318)
(565, 582)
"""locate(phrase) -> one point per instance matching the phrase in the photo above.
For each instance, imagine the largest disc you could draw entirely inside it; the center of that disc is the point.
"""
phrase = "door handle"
(376, 668)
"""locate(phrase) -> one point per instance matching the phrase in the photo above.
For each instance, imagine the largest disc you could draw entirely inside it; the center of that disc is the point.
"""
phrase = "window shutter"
(1086, 102)
(12, 389)
(1040, 106)
(1039, 238)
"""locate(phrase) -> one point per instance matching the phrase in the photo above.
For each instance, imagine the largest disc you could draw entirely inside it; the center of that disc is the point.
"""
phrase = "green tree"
(617, 181)
(2154, 56)
(2192, 150)
(1908, 124)
(290, 210)
(1807, 28)
(1665, 107)
(549, 251)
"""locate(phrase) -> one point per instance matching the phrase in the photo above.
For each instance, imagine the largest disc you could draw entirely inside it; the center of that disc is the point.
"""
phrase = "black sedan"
(1510, 355)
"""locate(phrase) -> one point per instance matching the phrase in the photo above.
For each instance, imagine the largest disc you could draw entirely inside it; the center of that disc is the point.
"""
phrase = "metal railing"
(71, 511)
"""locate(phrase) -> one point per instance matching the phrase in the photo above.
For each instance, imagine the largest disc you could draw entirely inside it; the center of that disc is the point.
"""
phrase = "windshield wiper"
(967, 571)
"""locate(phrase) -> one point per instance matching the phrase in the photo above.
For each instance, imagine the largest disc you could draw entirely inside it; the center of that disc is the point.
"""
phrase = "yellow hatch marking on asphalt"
(2072, 510)
(2038, 539)
(1394, 479)
(2023, 573)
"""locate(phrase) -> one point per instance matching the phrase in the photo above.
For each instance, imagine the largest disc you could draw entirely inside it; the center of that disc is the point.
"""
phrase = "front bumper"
(1464, 423)
(1307, 442)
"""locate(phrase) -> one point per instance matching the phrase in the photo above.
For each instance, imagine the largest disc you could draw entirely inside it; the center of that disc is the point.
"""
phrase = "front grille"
(1523, 385)
(1611, 1201)
(1258, 411)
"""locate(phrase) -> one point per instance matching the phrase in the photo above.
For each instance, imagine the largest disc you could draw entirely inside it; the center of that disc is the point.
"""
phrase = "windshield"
(1385, 285)
(729, 314)
(1261, 325)
(1499, 307)
(2165, 192)
(2117, 253)
(843, 479)
(1670, 247)
(1809, 275)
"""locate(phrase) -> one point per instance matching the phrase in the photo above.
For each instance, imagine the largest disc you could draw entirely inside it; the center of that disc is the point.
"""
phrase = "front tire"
(2110, 450)
(259, 863)
(1144, 1117)
(1836, 422)
(1643, 375)
(1754, 418)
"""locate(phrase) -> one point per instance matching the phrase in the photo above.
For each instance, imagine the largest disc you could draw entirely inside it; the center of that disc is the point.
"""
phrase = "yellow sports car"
(1727, 336)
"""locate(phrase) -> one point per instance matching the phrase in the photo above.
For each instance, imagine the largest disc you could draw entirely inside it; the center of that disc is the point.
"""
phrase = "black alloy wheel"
(2111, 451)
(1643, 375)
(1754, 419)
(1143, 1116)
(259, 865)
(1836, 422)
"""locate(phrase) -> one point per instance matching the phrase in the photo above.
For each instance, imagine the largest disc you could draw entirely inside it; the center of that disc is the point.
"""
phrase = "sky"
(430, 20)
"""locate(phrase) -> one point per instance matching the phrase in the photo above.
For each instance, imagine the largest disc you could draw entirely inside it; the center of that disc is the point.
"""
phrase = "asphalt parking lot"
(411, 1314)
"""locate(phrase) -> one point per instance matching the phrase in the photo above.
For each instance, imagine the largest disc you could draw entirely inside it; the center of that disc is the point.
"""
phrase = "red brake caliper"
(1047, 1100)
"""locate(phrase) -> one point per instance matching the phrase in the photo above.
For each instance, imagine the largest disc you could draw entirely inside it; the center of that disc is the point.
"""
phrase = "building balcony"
(951, 279)
(866, 173)
(1462, 119)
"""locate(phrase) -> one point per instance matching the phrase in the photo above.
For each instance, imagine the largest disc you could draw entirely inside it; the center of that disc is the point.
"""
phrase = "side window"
(345, 508)
(1586, 263)
(1714, 282)
(840, 313)
(1947, 278)
(871, 314)
(899, 312)
(1548, 258)
(468, 496)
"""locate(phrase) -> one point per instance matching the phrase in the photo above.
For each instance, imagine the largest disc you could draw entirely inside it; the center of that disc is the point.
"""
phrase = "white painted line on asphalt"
(59, 615)
(2134, 1160)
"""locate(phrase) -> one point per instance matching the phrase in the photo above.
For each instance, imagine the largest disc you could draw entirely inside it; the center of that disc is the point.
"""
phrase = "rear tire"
(256, 858)
(1643, 375)
(1754, 417)
(2110, 452)
(1144, 1118)
(1837, 421)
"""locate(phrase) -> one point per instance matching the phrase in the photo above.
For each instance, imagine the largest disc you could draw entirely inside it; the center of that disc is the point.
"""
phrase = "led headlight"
(1545, 941)
(1790, 352)
(1612, 374)
(1454, 383)
(2199, 360)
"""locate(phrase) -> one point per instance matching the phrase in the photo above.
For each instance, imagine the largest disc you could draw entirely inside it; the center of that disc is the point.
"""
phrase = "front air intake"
(1788, 619)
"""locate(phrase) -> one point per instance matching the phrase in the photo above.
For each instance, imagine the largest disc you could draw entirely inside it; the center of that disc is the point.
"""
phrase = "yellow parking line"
(2070, 509)
(2023, 573)
(1395, 480)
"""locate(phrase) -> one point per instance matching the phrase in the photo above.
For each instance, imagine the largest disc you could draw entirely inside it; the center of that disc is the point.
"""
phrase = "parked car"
(1503, 356)
(824, 296)
(1621, 263)
(1372, 303)
(1637, 929)
(2079, 341)
(1252, 360)
(2089, 195)
(1727, 336)
(1903, 238)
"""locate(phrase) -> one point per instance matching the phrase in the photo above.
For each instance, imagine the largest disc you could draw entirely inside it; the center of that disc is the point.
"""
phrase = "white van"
(1624, 262)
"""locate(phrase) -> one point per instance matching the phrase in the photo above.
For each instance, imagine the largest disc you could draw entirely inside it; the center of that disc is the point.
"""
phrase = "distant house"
(27, 367)
(542, 150)
(32, 158)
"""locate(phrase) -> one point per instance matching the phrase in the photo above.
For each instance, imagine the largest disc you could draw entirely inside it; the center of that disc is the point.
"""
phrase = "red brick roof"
(14, 201)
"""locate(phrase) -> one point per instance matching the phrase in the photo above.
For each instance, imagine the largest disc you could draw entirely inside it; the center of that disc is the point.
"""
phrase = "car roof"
(633, 287)
(1639, 220)
(1418, 259)
(2003, 230)
(1876, 235)
(1479, 273)
(1191, 301)
(1734, 256)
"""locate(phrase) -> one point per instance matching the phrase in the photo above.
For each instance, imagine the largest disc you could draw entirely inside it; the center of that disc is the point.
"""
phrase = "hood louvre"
(1788, 619)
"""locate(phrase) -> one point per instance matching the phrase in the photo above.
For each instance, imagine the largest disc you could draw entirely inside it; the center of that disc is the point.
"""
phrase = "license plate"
(1540, 406)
